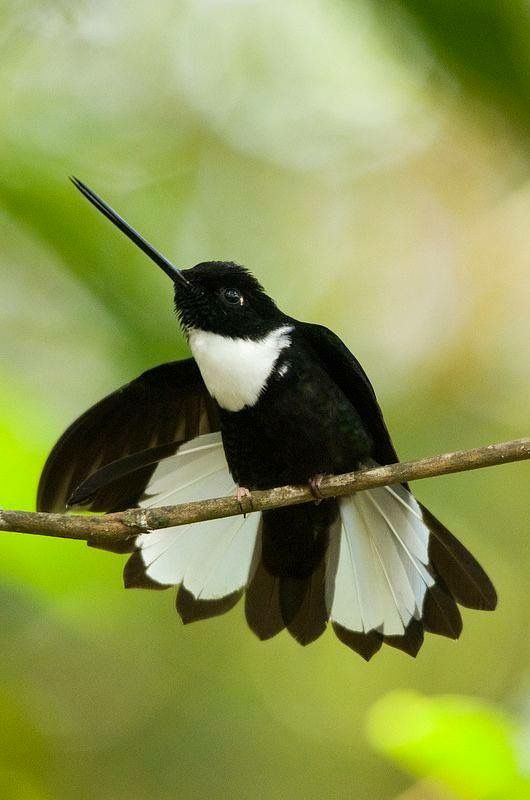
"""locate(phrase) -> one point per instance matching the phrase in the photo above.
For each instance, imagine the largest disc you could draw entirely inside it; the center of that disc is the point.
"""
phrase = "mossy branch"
(124, 525)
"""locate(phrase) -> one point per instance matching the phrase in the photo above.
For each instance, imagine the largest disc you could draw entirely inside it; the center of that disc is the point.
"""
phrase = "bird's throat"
(237, 370)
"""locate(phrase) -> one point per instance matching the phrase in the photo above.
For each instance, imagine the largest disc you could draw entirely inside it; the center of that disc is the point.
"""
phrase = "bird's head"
(225, 298)
(216, 296)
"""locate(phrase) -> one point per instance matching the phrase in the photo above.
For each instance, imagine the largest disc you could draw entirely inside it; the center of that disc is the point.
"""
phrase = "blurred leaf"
(462, 742)
(25, 757)
(43, 201)
(485, 46)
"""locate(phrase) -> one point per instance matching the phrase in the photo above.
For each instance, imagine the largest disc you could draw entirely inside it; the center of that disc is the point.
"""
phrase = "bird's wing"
(123, 437)
(347, 373)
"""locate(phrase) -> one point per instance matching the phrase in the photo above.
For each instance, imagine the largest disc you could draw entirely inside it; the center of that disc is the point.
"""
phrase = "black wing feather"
(464, 577)
(347, 373)
(120, 468)
(166, 405)
(459, 576)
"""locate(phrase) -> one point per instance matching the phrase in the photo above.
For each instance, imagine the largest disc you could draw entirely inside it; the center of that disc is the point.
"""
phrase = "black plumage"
(291, 403)
(164, 407)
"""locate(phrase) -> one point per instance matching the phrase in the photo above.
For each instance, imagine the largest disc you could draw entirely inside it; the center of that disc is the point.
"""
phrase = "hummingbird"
(265, 400)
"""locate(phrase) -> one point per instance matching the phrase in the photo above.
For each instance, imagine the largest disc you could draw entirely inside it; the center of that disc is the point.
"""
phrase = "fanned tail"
(395, 571)
(377, 564)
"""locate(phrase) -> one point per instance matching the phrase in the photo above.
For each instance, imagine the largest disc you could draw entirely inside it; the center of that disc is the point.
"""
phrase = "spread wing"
(114, 447)
(433, 570)
(348, 374)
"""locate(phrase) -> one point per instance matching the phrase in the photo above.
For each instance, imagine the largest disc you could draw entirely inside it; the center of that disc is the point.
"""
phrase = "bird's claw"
(314, 486)
(243, 493)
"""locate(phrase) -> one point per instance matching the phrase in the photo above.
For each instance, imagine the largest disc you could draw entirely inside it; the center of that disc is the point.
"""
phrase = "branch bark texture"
(125, 525)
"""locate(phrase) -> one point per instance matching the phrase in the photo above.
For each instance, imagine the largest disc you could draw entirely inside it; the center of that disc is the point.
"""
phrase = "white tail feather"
(213, 558)
(391, 563)
(228, 566)
(344, 606)
(413, 537)
(381, 569)
(357, 560)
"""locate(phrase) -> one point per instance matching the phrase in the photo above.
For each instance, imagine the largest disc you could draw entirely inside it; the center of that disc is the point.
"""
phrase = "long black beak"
(170, 270)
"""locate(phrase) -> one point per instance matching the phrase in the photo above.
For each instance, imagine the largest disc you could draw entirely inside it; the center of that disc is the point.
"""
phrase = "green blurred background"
(369, 162)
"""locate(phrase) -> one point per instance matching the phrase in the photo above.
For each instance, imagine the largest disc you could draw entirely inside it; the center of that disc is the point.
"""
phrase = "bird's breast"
(236, 370)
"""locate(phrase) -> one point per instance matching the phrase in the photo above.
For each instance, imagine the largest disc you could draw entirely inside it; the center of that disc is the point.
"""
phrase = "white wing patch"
(212, 558)
(236, 370)
(378, 562)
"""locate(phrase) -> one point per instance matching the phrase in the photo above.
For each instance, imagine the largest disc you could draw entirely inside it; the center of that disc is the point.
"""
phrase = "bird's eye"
(232, 296)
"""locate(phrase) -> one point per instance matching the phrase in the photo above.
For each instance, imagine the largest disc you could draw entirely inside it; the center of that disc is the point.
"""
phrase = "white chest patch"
(236, 371)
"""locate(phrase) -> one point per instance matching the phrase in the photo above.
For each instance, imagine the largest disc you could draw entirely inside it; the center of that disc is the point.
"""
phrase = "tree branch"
(123, 525)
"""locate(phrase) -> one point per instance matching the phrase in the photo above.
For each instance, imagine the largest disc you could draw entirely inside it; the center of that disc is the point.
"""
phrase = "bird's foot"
(314, 486)
(242, 493)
